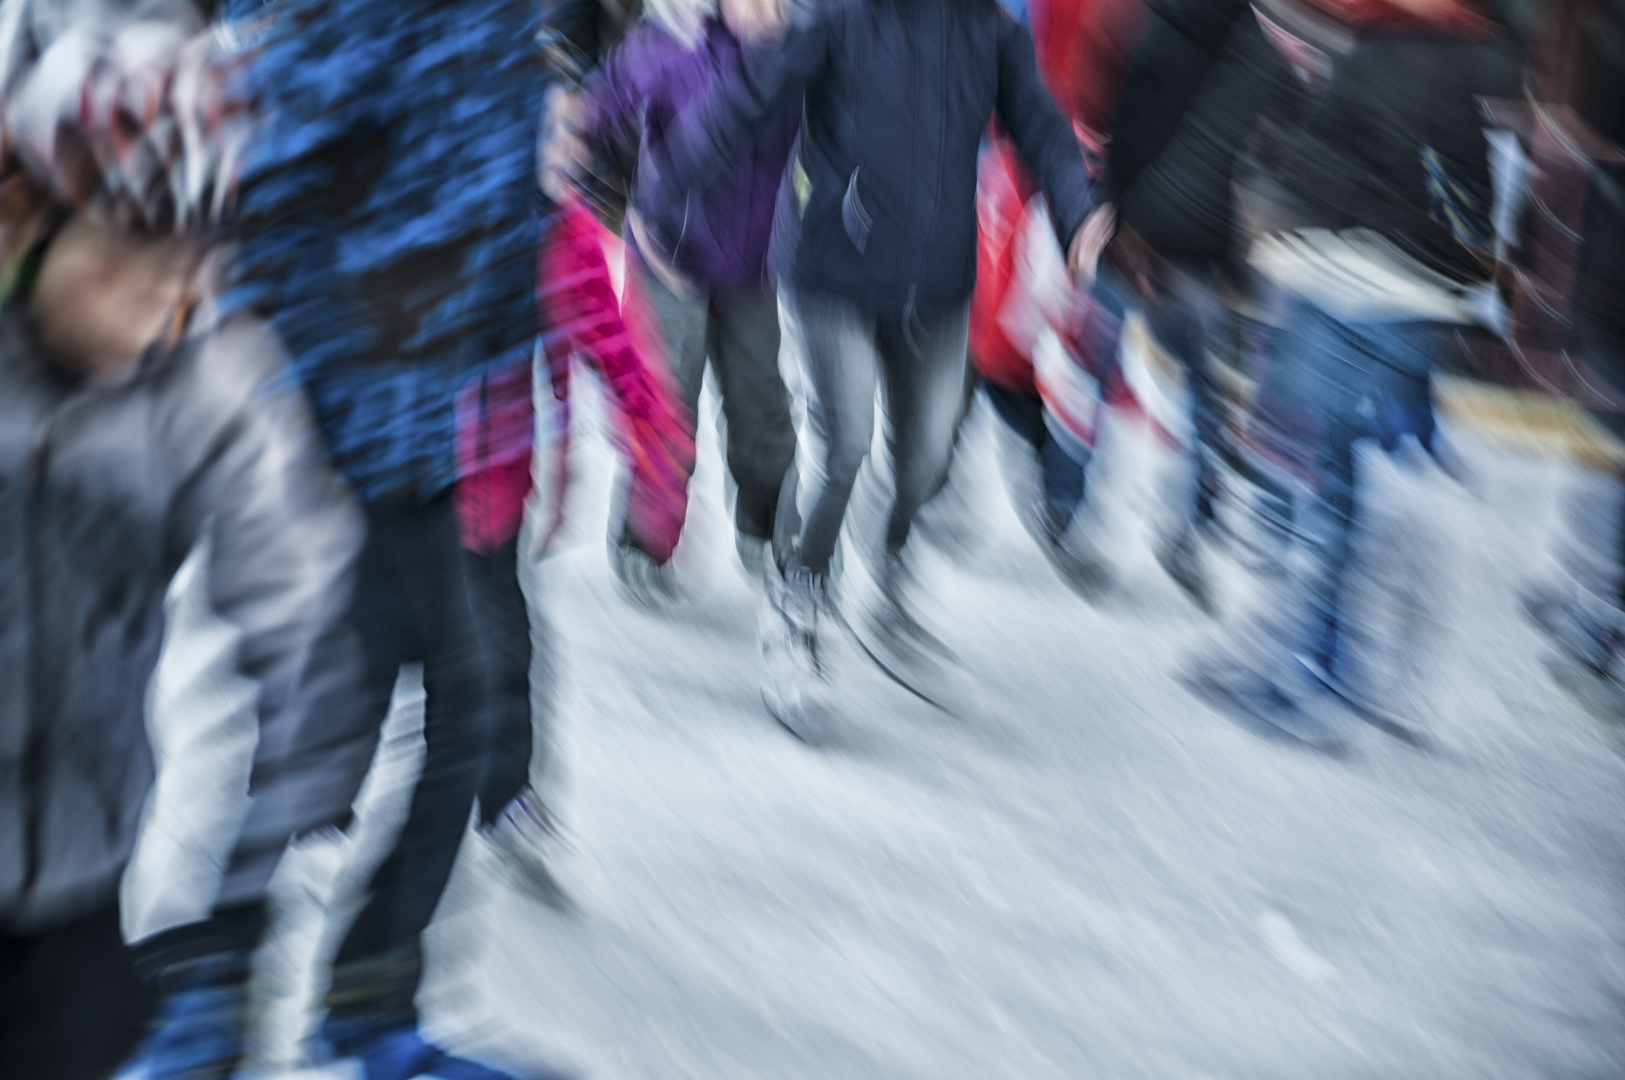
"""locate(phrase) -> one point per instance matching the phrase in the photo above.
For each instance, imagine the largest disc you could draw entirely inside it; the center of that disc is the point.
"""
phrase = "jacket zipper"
(39, 459)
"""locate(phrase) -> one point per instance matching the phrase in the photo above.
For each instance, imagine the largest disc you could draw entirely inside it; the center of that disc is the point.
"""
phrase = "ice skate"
(1182, 557)
(794, 679)
(645, 583)
(1382, 718)
(1581, 634)
(1272, 705)
(1075, 556)
(903, 648)
(528, 841)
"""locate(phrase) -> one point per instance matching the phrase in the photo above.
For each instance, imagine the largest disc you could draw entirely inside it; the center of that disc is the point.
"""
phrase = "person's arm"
(1049, 150)
(611, 107)
(709, 131)
(283, 537)
(283, 534)
(1169, 61)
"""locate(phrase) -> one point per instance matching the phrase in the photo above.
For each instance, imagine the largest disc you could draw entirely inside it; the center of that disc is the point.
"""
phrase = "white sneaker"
(530, 845)
(794, 680)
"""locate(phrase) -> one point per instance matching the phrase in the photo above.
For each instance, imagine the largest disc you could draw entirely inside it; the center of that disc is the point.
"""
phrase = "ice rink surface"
(1083, 871)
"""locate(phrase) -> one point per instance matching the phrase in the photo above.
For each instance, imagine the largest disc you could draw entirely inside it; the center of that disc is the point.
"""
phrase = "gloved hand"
(198, 1033)
(201, 971)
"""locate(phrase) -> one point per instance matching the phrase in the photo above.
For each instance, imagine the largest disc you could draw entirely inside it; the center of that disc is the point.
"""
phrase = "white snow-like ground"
(1084, 872)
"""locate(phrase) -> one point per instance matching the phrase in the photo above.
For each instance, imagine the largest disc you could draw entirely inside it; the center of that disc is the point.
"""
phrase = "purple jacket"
(717, 238)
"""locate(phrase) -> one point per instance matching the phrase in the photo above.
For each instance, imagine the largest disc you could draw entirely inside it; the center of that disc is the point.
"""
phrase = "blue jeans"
(920, 369)
(1329, 385)
(1061, 474)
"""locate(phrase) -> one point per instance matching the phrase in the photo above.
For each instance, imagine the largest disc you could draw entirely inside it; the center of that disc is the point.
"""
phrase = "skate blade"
(809, 722)
(939, 696)
(1269, 715)
(1383, 720)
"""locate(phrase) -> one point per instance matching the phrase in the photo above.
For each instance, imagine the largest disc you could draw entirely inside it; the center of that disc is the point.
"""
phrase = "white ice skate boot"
(794, 681)
(528, 841)
(903, 648)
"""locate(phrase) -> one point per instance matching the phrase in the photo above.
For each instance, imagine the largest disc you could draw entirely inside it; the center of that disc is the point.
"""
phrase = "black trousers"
(71, 1004)
(422, 598)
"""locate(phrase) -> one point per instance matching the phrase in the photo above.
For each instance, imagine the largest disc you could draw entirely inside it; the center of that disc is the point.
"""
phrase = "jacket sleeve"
(1179, 42)
(573, 35)
(1043, 138)
(283, 535)
(612, 119)
(742, 102)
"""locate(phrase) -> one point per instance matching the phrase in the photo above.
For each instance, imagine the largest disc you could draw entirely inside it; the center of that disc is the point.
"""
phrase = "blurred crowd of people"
(310, 282)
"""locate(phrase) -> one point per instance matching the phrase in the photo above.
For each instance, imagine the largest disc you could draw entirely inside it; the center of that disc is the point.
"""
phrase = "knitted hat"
(136, 117)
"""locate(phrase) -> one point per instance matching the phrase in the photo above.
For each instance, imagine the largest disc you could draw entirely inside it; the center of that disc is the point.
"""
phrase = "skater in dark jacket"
(1388, 210)
(1200, 77)
(896, 97)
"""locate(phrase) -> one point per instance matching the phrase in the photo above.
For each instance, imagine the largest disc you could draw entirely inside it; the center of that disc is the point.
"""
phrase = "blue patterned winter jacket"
(385, 217)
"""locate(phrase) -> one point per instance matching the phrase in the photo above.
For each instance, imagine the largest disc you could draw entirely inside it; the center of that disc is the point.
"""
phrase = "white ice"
(1083, 872)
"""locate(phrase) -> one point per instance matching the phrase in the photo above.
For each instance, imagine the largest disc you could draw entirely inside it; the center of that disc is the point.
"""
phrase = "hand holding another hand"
(1083, 257)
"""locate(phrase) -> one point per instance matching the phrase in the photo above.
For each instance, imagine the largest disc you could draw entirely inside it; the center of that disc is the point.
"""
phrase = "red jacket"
(1082, 46)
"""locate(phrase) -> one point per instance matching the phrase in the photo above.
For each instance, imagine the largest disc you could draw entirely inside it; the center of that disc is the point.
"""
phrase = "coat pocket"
(854, 216)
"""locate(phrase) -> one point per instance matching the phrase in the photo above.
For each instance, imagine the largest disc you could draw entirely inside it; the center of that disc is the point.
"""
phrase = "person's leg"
(426, 590)
(973, 379)
(1061, 476)
(837, 345)
(1367, 365)
(1065, 478)
(924, 371)
(1612, 553)
(72, 1006)
(924, 380)
(1304, 389)
(682, 324)
(1186, 321)
(842, 366)
(516, 814)
(1022, 413)
(503, 618)
(1331, 527)
(743, 343)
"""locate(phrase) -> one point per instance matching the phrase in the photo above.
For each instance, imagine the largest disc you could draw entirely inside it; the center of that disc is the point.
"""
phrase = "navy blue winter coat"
(897, 97)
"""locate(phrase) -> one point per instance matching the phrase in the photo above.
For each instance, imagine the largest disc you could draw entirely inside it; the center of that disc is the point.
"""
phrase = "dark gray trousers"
(739, 334)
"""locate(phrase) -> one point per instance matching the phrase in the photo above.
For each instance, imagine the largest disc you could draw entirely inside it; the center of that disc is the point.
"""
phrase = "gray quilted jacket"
(103, 491)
